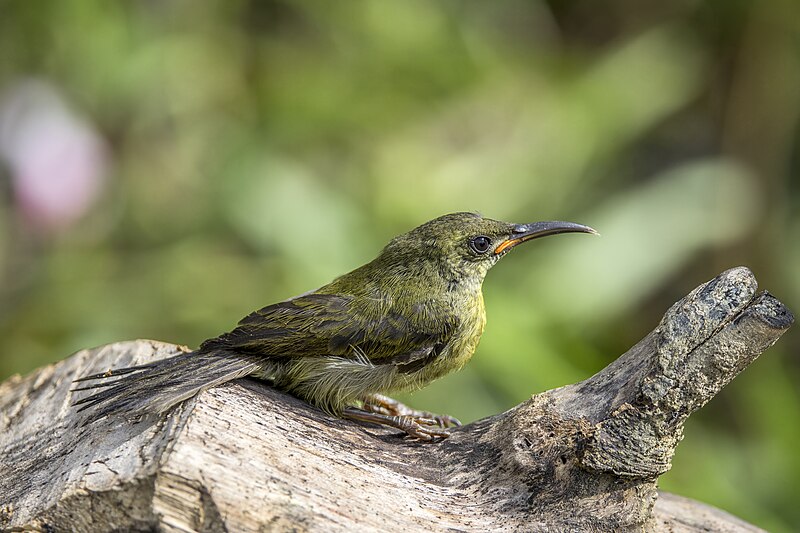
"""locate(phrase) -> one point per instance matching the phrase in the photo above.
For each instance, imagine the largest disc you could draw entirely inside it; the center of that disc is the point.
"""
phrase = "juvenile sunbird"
(406, 318)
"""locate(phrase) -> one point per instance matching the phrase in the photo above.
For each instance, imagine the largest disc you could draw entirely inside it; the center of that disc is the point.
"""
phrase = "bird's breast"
(462, 344)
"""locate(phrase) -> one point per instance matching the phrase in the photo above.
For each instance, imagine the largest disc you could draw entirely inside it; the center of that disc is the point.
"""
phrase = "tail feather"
(95, 386)
(115, 373)
(156, 387)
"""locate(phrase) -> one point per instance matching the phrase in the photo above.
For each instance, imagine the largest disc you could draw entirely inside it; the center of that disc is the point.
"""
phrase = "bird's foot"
(418, 427)
(422, 425)
(380, 404)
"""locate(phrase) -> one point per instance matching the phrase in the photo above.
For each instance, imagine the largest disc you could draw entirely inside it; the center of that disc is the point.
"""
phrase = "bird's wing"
(330, 324)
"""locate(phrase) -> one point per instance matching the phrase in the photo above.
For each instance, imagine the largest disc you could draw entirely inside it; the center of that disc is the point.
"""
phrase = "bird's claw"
(447, 421)
(420, 428)
(377, 403)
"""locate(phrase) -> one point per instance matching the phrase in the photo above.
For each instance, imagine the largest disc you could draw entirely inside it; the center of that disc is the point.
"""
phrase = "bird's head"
(464, 246)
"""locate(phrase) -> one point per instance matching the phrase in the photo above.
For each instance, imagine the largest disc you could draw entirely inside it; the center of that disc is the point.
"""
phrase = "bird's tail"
(157, 386)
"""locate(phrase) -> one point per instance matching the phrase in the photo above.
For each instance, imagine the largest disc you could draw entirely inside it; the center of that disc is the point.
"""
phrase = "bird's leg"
(418, 427)
(378, 403)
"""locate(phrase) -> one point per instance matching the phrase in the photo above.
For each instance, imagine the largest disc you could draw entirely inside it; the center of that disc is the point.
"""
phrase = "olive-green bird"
(408, 317)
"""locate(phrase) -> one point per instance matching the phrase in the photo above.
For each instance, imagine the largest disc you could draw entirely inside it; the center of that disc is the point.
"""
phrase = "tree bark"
(246, 457)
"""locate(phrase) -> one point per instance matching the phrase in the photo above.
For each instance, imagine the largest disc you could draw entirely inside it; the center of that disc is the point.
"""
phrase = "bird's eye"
(480, 244)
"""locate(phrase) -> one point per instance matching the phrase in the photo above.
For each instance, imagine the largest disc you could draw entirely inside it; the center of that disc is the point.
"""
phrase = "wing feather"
(318, 325)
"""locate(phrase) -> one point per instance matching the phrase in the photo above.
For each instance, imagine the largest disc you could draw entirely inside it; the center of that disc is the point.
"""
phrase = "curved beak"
(526, 232)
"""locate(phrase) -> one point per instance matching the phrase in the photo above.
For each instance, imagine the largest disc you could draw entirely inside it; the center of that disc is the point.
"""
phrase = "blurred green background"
(168, 166)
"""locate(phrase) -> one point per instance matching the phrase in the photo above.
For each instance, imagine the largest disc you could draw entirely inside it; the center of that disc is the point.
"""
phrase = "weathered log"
(245, 457)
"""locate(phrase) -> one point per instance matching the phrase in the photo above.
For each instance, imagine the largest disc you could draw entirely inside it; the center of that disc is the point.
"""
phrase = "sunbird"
(406, 318)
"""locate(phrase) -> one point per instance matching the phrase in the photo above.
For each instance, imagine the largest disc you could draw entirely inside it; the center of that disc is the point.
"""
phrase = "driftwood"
(245, 457)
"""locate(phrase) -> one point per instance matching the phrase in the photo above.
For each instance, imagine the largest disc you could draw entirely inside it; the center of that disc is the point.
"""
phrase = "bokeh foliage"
(256, 149)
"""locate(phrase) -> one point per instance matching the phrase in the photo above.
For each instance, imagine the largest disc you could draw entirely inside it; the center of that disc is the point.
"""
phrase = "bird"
(408, 317)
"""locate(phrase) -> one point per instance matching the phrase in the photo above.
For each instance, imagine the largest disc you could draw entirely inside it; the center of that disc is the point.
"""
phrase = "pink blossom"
(56, 159)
